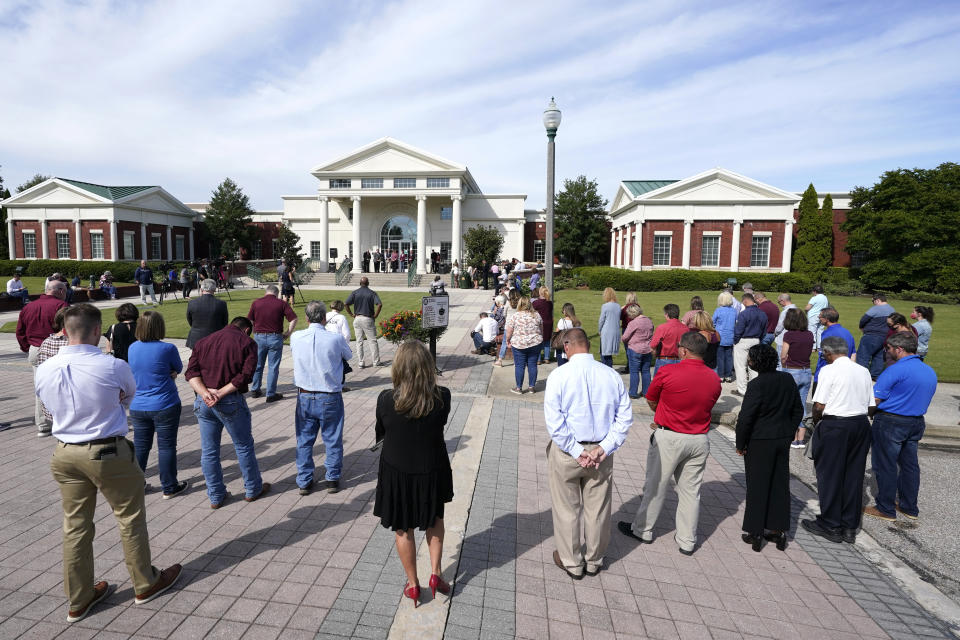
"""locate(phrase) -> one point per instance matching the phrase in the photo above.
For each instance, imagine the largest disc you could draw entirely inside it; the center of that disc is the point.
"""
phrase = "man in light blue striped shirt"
(588, 414)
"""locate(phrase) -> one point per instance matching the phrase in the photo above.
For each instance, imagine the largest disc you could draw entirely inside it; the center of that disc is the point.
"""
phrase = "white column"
(638, 247)
(190, 240)
(169, 243)
(11, 240)
(613, 247)
(787, 245)
(45, 251)
(143, 241)
(735, 247)
(76, 226)
(457, 230)
(687, 224)
(324, 233)
(357, 250)
(421, 233)
(114, 242)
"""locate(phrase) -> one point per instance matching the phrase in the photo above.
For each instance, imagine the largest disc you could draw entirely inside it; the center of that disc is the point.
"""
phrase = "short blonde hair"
(633, 310)
(631, 298)
(725, 299)
(544, 293)
(609, 295)
(702, 321)
(524, 304)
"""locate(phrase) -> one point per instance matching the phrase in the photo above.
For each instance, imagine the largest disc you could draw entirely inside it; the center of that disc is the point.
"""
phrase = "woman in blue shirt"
(724, 320)
(156, 406)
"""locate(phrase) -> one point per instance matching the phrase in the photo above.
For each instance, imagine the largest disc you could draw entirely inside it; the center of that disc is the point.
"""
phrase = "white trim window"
(404, 183)
(710, 250)
(96, 245)
(371, 183)
(340, 183)
(446, 213)
(155, 246)
(438, 183)
(63, 244)
(662, 244)
(129, 244)
(760, 251)
(275, 248)
(178, 245)
(29, 244)
(539, 250)
(256, 251)
(315, 250)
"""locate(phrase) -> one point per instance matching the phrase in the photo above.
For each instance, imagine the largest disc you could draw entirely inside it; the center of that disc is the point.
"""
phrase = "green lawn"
(944, 353)
(35, 284)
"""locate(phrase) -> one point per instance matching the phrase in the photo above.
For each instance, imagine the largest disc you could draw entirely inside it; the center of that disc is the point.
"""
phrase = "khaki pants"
(39, 420)
(573, 490)
(80, 474)
(682, 457)
(366, 329)
(744, 373)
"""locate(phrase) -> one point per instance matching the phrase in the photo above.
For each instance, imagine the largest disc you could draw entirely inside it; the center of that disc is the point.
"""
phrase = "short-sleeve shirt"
(799, 347)
(817, 304)
(906, 387)
(668, 335)
(364, 301)
(685, 394)
(152, 363)
(527, 329)
(844, 389)
(267, 314)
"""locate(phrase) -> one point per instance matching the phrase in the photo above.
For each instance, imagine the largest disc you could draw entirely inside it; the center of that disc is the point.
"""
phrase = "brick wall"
(19, 227)
(122, 227)
(676, 246)
(696, 241)
(63, 225)
(776, 242)
(86, 227)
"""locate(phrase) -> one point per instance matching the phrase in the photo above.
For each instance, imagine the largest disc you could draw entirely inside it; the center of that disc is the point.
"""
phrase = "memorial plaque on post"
(435, 311)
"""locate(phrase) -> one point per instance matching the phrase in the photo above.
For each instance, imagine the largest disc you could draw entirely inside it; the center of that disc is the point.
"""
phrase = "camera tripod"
(167, 288)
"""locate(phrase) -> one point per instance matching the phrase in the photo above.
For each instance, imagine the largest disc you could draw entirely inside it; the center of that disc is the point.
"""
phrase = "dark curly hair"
(762, 358)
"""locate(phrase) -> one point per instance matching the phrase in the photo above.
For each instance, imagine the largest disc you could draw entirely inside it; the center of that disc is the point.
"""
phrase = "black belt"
(305, 391)
(897, 415)
(583, 442)
(109, 440)
(829, 417)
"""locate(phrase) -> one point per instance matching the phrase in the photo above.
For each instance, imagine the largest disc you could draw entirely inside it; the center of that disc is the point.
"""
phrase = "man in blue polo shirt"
(903, 392)
(830, 321)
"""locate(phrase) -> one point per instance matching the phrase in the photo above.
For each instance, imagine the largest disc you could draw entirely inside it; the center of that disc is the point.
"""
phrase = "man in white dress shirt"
(93, 453)
(588, 414)
(484, 335)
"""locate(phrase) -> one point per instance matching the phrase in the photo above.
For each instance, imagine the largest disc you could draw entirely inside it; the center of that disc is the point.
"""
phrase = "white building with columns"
(393, 196)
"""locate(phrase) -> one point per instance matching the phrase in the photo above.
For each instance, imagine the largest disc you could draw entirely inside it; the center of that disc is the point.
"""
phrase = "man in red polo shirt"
(682, 397)
(267, 314)
(666, 337)
(34, 325)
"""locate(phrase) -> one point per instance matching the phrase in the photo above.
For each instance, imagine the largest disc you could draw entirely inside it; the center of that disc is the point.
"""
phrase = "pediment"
(719, 185)
(54, 193)
(387, 156)
(621, 200)
(157, 200)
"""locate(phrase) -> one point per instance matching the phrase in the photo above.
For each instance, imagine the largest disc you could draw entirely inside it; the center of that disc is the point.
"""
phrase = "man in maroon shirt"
(773, 316)
(666, 337)
(267, 314)
(682, 397)
(34, 324)
(220, 367)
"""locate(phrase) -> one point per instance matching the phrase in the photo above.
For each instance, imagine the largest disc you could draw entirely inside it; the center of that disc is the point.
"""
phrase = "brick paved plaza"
(319, 566)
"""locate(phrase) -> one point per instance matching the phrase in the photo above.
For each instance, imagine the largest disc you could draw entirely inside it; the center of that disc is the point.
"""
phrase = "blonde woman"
(624, 320)
(525, 335)
(701, 322)
(724, 318)
(415, 481)
(609, 326)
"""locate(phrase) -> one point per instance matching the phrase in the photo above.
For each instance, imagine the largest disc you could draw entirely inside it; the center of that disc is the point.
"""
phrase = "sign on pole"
(435, 311)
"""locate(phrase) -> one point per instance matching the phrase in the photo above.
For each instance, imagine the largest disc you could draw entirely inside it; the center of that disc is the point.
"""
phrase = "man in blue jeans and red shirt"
(903, 393)
(267, 314)
(666, 338)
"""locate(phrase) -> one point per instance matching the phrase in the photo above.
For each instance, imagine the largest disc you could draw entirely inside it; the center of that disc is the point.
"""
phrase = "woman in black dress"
(768, 418)
(415, 480)
(286, 284)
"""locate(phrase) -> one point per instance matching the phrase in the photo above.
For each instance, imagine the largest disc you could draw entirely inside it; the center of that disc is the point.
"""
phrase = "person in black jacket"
(205, 313)
(769, 416)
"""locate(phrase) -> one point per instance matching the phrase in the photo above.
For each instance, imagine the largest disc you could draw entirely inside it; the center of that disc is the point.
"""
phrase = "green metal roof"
(640, 187)
(111, 193)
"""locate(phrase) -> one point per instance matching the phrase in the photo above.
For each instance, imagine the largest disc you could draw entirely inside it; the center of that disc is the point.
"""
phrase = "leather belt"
(109, 440)
(896, 415)
(583, 442)
(305, 391)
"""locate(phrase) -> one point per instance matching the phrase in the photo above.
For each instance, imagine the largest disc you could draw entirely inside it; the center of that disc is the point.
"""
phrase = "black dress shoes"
(779, 538)
(850, 536)
(755, 541)
(817, 529)
(627, 529)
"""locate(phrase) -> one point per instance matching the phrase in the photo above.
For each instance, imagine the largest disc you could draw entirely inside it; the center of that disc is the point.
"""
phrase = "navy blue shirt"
(751, 323)
(906, 387)
(143, 275)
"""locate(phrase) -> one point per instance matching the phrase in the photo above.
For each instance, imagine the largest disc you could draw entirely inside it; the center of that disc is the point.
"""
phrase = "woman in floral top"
(525, 336)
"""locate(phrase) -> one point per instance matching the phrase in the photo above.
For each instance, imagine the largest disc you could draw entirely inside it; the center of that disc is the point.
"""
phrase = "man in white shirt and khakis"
(92, 454)
(588, 413)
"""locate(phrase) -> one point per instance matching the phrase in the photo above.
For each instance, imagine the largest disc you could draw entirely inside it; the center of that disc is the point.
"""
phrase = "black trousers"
(767, 466)
(840, 457)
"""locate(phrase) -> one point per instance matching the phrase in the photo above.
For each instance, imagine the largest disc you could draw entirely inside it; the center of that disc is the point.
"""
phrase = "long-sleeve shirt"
(638, 334)
(586, 401)
(773, 316)
(35, 322)
(751, 323)
(874, 321)
(779, 329)
(924, 331)
(318, 357)
(338, 324)
(724, 319)
(228, 355)
(14, 285)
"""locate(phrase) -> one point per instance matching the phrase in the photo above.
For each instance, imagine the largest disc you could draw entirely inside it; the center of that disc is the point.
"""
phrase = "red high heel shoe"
(412, 591)
(437, 584)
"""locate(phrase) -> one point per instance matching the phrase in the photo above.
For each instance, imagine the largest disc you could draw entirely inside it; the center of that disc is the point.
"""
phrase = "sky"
(184, 93)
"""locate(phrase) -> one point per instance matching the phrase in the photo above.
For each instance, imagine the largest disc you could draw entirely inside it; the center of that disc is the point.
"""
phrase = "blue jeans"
(110, 290)
(768, 338)
(525, 358)
(503, 348)
(663, 361)
(639, 364)
(480, 345)
(165, 423)
(894, 458)
(803, 378)
(725, 361)
(22, 294)
(607, 360)
(870, 353)
(561, 358)
(232, 414)
(546, 350)
(319, 413)
(267, 344)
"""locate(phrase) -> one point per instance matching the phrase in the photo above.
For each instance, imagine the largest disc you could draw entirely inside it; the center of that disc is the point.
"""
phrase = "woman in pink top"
(696, 304)
(637, 341)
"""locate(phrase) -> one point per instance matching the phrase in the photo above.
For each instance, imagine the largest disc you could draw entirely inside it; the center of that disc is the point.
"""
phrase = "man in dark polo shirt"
(34, 324)
(903, 393)
(267, 314)
(666, 337)
(750, 329)
(682, 397)
(364, 306)
(219, 370)
(773, 316)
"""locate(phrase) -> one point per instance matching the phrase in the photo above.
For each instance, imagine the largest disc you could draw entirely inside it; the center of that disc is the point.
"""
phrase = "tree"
(580, 218)
(4, 244)
(32, 182)
(907, 229)
(288, 246)
(228, 217)
(814, 251)
(481, 243)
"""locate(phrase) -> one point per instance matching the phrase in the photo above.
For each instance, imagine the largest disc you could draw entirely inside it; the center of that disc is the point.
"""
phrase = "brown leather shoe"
(263, 491)
(217, 505)
(101, 590)
(873, 512)
(559, 563)
(167, 577)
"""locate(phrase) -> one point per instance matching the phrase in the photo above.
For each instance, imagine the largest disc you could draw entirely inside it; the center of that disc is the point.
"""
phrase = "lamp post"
(551, 121)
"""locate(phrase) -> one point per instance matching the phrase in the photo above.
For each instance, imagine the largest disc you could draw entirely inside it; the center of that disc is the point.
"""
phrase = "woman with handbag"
(121, 335)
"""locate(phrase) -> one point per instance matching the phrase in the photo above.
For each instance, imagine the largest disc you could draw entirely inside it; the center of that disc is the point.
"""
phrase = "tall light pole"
(551, 121)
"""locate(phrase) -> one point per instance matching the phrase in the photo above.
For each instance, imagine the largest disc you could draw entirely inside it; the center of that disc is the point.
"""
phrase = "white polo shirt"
(844, 388)
(487, 327)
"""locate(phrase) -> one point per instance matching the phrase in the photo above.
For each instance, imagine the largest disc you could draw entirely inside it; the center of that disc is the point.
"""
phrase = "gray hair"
(834, 345)
(316, 311)
(784, 296)
(500, 300)
(905, 340)
(53, 285)
(208, 285)
(272, 289)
